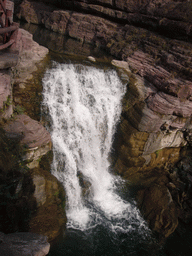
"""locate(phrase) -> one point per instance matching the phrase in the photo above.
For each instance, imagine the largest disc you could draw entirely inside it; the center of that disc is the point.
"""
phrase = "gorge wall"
(156, 116)
(172, 17)
(31, 198)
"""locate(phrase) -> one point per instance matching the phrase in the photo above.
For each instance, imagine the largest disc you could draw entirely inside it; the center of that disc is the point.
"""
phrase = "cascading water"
(84, 104)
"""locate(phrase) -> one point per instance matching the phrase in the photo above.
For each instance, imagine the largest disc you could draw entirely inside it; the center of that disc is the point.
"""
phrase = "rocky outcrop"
(157, 205)
(50, 199)
(33, 136)
(156, 115)
(23, 244)
(8, 59)
(173, 17)
(31, 200)
(30, 54)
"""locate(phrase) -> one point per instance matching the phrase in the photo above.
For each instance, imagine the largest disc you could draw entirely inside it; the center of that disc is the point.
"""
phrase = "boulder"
(30, 54)
(159, 209)
(34, 137)
(23, 244)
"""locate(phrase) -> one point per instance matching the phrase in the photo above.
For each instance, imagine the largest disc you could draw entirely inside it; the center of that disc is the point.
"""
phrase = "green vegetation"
(157, 152)
(6, 104)
(18, 110)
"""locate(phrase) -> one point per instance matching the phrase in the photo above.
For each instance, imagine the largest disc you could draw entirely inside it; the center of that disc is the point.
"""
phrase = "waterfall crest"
(84, 104)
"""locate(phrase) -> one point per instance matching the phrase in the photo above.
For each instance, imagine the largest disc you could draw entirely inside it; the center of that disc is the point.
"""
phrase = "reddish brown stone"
(32, 132)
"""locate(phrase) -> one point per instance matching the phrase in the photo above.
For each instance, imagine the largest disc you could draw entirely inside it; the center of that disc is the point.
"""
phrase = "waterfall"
(84, 104)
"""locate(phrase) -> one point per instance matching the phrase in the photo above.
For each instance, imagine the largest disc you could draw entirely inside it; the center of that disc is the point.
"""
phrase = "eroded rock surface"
(173, 17)
(30, 54)
(34, 137)
(159, 209)
(50, 198)
(156, 116)
(23, 244)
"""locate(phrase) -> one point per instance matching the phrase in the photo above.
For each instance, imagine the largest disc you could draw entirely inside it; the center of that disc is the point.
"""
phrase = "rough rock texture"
(156, 115)
(30, 199)
(23, 244)
(34, 137)
(22, 57)
(169, 16)
(6, 109)
(30, 53)
(8, 59)
(159, 209)
(50, 199)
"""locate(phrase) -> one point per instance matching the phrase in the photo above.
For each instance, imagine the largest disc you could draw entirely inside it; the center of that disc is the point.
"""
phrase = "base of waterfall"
(83, 107)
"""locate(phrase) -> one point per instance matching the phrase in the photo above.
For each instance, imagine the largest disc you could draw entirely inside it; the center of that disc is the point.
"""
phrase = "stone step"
(8, 59)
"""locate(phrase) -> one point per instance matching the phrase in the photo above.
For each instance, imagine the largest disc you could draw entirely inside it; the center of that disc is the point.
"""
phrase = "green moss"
(6, 104)
(157, 152)
(18, 110)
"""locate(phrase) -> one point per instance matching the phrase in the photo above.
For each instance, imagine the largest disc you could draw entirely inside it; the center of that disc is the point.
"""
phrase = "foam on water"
(85, 106)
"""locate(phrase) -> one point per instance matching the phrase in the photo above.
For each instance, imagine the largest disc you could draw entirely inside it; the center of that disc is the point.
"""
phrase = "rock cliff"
(156, 115)
(31, 199)
(165, 16)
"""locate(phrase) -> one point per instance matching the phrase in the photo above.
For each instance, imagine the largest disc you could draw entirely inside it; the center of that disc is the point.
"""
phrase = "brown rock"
(30, 53)
(50, 198)
(34, 136)
(159, 209)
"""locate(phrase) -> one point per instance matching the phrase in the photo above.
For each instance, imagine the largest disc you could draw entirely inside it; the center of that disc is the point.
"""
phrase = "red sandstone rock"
(30, 54)
(33, 135)
(156, 110)
(32, 132)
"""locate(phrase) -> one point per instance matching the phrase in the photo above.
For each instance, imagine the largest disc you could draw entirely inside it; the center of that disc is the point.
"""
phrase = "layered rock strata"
(23, 244)
(156, 113)
(173, 17)
(31, 200)
(33, 136)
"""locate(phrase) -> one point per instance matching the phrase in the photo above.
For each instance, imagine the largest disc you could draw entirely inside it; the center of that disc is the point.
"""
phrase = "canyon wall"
(156, 118)
(31, 199)
(166, 16)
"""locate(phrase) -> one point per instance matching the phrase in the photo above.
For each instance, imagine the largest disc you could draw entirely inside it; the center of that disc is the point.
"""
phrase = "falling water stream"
(84, 105)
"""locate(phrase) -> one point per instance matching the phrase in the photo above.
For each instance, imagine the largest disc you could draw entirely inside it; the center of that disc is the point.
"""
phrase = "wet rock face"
(50, 200)
(23, 244)
(156, 110)
(159, 209)
(168, 201)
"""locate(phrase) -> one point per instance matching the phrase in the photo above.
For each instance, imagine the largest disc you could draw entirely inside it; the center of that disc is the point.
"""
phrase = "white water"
(85, 106)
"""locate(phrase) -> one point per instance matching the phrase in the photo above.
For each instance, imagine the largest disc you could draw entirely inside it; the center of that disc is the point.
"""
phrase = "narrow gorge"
(141, 134)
